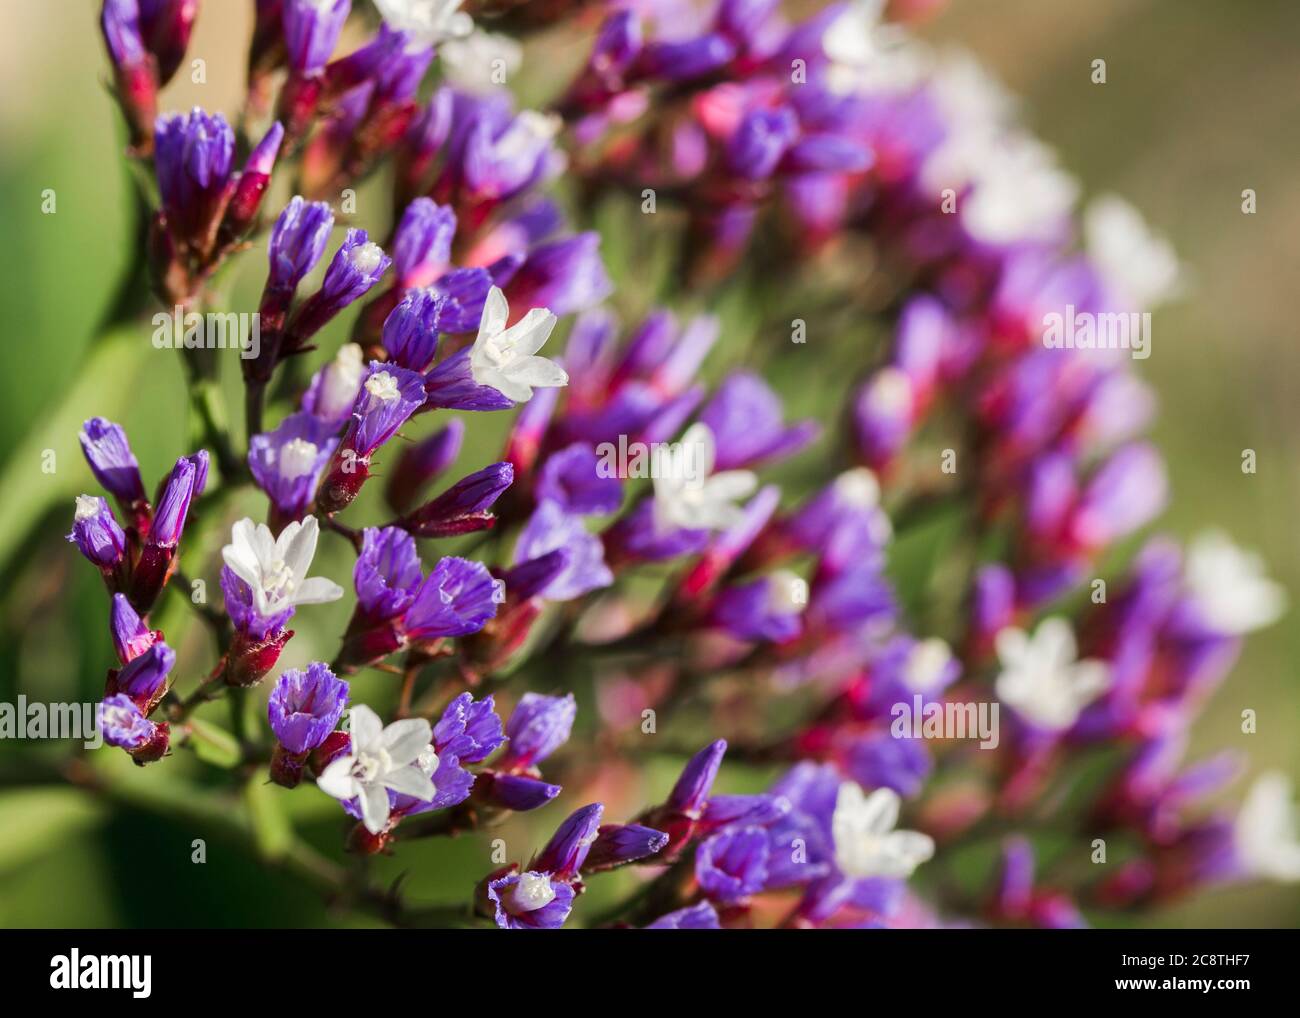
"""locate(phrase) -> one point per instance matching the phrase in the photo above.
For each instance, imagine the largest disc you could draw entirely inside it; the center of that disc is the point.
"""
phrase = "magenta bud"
(248, 660)
(287, 767)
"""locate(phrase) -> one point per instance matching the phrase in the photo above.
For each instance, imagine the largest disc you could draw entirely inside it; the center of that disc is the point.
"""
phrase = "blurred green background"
(1202, 100)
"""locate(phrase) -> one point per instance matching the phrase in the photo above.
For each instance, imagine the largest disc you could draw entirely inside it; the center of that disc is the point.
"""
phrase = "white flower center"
(890, 393)
(87, 507)
(297, 459)
(859, 488)
(533, 891)
(427, 761)
(279, 581)
(382, 388)
(370, 764)
(787, 593)
(367, 257)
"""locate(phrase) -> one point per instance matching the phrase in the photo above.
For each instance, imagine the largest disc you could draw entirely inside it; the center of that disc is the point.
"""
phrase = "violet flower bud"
(387, 574)
(131, 637)
(422, 243)
(305, 707)
(356, 267)
(124, 726)
(563, 276)
(411, 330)
(550, 528)
(96, 534)
(311, 31)
(469, 729)
(422, 462)
(333, 390)
(192, 156)
(746, 419)
(760, 142)
(537, 728)
(135, 71)
(620, 844)
(681, 61)
(692, 789)
(462, 508)
(534, 577)
(455, 599)
(517, 792)
(251, 185)
(165, 26)
(567, 850)
(108, 452)
(144, 678)
(158, 556)
(298, 240)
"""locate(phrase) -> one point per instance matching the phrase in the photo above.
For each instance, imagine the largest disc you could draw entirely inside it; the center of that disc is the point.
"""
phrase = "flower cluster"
(659, 535)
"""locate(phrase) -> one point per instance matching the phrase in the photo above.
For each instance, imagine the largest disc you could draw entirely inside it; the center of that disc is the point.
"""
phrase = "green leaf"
(271, 828)
(214, 745)
(38, 818)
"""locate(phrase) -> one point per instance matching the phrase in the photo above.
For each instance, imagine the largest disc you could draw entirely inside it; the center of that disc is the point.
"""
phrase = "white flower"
(340, 381)
(866, 844)
(1020, 193)
(1136, 264)
(481, 62)
(691, 495)
(868, 55)
(428, 22)
(1229, 587)
(533, 891)
(1041, 678)
(927, 664)
(1267, 833)
(380, 759)
(276, 569)
(504, 358)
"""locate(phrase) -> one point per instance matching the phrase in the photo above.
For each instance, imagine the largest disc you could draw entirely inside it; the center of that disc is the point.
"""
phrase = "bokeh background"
(1202, 100)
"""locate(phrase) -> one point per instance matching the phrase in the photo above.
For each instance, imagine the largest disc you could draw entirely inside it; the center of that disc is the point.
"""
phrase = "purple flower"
(503, 155)
(881, 761)
(411, 330)
(760, 141)
(422, 243)
(356, 266)
(131, 637)
(305, 706)
(469, 729)
(567, 850)
(681, 61)
(769, 608)
(123, 725)
(298, 240)
(120, 23)
(537, 728)
(464, 507)
(287, 463)
(694, 917)
(732, 865)
(192, 156)
(388, 397)
(573, 480)
(111, 461)
(550, 528)
(174, 502)
(165, 26)
(745, 417)
(387, 574)
(530, 901)
(619, 844)
(455, 599)
(465, 292)
(563, 276)
(451, 386)
(96, 533)
(311, 31)
(1125, 494)
(333, 390)
(519, 792)
(692, 789)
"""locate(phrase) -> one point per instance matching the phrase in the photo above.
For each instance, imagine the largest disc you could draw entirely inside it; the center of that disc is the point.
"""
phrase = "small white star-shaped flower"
(866, 844)
(396, 758)
(1041, 678)
(276, 568)
(1267, 832)
(1229, 587)
(689, 495)
(504, 358)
